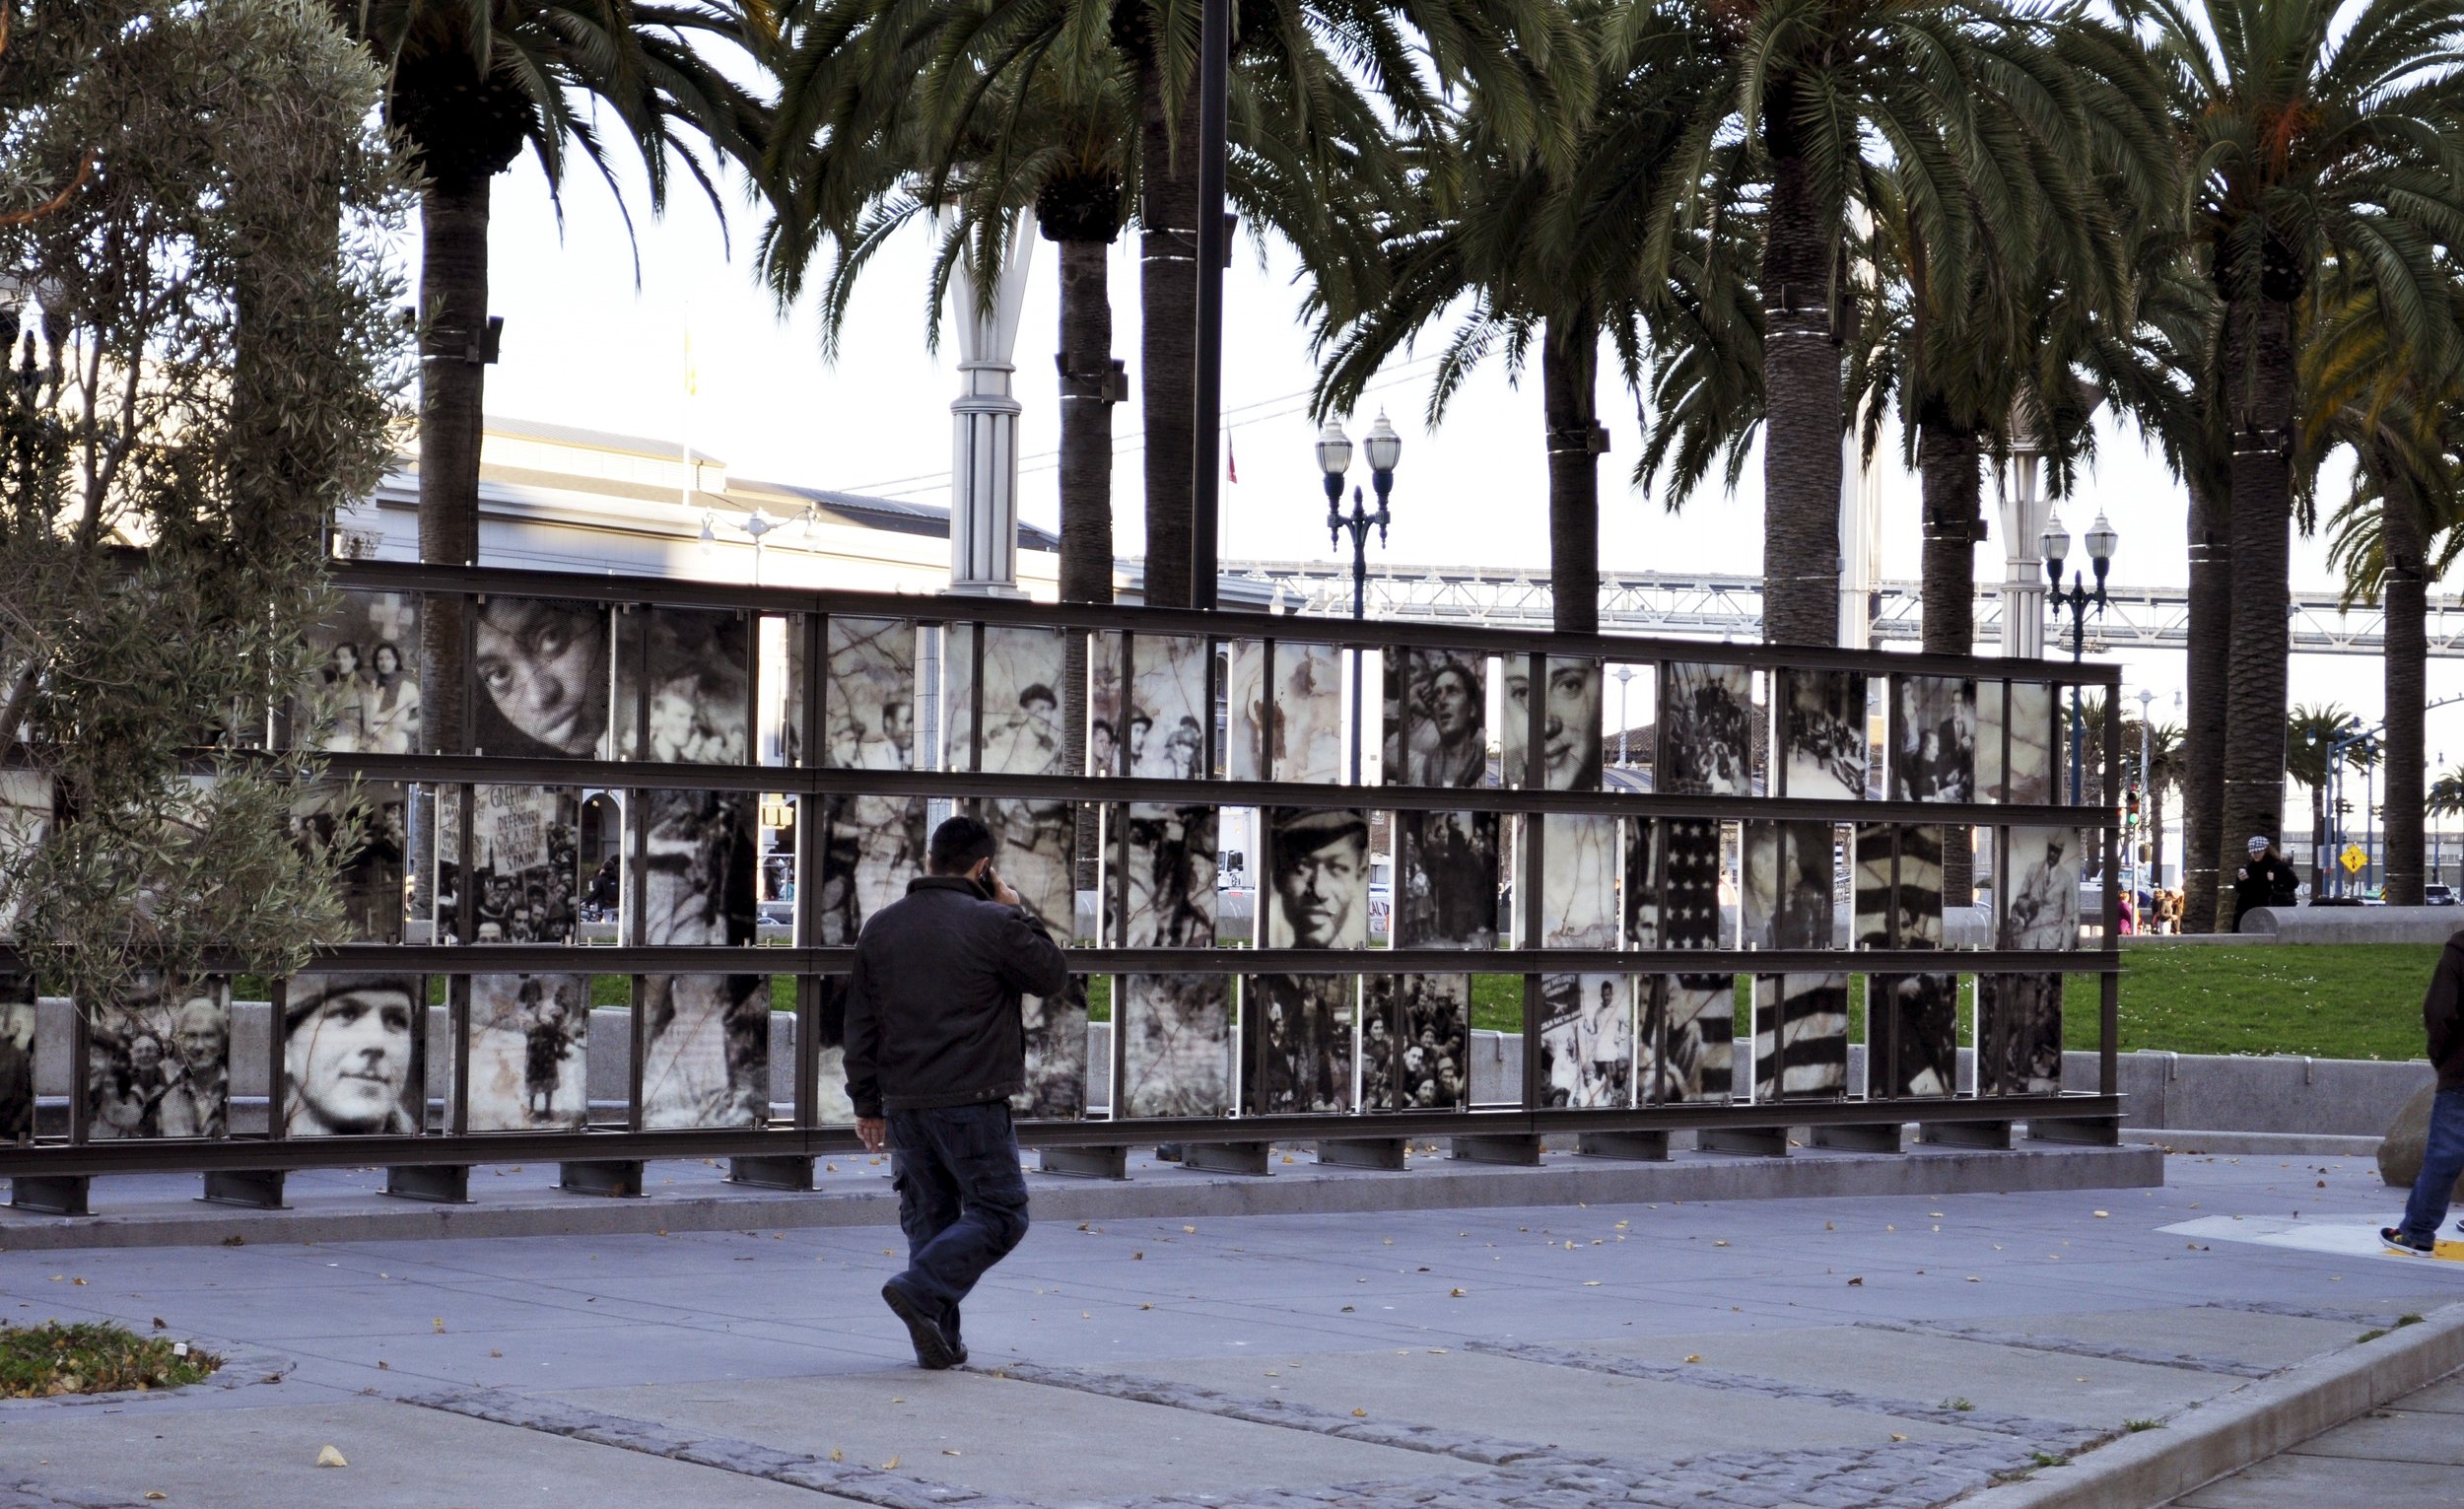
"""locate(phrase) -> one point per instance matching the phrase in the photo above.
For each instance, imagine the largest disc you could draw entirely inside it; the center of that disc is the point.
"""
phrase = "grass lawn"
(39, 1362)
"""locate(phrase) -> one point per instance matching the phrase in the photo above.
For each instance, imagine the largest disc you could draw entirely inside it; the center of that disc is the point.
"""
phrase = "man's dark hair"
(957, 844)
(1039, 692)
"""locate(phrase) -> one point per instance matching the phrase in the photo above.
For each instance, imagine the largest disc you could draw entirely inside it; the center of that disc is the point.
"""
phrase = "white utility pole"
(984, 429)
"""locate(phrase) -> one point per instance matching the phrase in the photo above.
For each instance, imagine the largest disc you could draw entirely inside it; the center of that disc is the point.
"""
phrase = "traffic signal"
(2130, 807)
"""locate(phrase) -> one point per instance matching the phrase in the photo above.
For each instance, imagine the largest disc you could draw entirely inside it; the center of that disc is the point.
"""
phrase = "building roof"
(591, 439)
(894, 514)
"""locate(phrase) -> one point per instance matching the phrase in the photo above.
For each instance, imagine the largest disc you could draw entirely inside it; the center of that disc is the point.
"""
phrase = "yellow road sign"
(2353, 858)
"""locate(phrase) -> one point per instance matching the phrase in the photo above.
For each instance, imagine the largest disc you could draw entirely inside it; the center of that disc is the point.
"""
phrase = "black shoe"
(2406, 1245)
(1169, 1152)
(958, 1343)
(932, 1350)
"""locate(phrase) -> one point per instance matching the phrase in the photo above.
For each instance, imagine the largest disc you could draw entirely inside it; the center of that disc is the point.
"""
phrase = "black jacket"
(2443, 1013)
(2267, 881)
(933, 1004)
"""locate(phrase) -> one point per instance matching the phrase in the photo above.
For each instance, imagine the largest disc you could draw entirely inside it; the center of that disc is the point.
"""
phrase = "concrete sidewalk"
(1899, 1350)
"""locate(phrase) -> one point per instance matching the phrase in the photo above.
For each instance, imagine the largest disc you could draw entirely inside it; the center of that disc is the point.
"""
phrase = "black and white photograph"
(1586, 1040)
(781, 723)
(1169, 707)
(1300, 1027)
(1690, 1031)
(543, 667)
(1106, 664)
(1176, 1045)
(358, 831)
(1570, 728)
(363, 697)
(1579, 863)
(831, 1105)
(1911, 1036)
(1822, 734)
(1318, 894)
(2019, 1034)
(1933, 739)
(2040, 869)
(1706, 730)
(1025, 670)
(351, 1056)
(1415, 1037)
(1446, 892)
(1788, 900)
(1644, 861)
(870, 847)
(25, 819)
(1436, 718)
(705, 1054)
(1054, 1031)
(158, 1059)
(701, 879)
(685, 676)
(1801, 1037)
(1287, 726)
(1168, 866)
(2015, 742)
(1690, 907)
(17, 1058)
(1034, 847)
(868, 694)
(1898, 886)
(525, 874)
(529, 1065)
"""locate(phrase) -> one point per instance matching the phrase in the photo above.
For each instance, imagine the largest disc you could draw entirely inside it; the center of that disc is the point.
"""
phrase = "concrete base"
(1514, 1153)
(439, 1184)
(1891, 1138)
(2081, 1131)
(1107, 1162)
(67, 1195)
(1996, 1136)
(1385, 1154)
(793, 1173)
(1748, 1142)
(1248, 1158)
(615, 1178)
(258, 1188)
(1635, 1146)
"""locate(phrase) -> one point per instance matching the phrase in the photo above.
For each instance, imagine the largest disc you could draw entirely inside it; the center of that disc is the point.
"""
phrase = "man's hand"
(1003, 891)
(873, 1132)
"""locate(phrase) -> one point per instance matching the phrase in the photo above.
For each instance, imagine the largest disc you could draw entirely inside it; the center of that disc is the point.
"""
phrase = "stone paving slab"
(2257, 1340)
(2396, 1433)
(2297, 1482)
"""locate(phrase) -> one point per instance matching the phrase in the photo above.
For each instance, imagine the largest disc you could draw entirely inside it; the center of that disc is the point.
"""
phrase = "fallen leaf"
(1694, 1356)
(160, 1323)
(949, 1450)
(439, 1323)
(156, 1493)
(492, 1352)
(1452, 1295)
(836, 1455)
(2103, 1214)
(1150, 1307)
(1188, 1228)
(80, 1282)
(1827, 1226)
(1719, 1243)
(1590, 1284)
(1857, 1283)
(327, 1456)
(890, 1465)
(1360, 1414)
(1347, 1310)
(1896, 1436)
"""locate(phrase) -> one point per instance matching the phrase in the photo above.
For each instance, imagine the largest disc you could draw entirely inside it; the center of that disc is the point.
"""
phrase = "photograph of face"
(1898, 886)
(1933, 739)
(2040, 881)
(1446, 879)
(369, 817)
(705, 1054)
(1801, 1037)
(1822, 734)
(1579, 861)
(1288, 726)
(1911, 1036)
(1054, 1029)
(694, 666)
(1169, 707)
(1690, 911)
(868, 694)
(699, 889)
(1570, 733)
(1586, 1040)
(25, 819)
(350, 1057)
(1436, 718)
(1320, 894)
(1644, 863)
(1025, 670)
(544, 682)
(524, 864)
(158, 1059)
(1107, 753)
(17, 1058)
(529, 1069)
(1787, 900)
(1170, 867)
(1706, 730)
(1176, 1045)
(2018, 1033)
(362, 698)
(1035, 846)
(870, 847)
(1300, 1027)
(1690, 1030)
(1415, 1034)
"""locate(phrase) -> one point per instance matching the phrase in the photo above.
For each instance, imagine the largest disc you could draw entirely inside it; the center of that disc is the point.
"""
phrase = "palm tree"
(468, 86)
(2165, 770)
(2309, 733)
(2318, 134)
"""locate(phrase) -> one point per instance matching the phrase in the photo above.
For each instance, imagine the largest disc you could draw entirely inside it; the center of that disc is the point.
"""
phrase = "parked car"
(2438, 894)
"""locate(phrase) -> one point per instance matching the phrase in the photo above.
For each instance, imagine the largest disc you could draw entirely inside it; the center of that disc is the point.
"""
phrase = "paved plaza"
(1899, 1350)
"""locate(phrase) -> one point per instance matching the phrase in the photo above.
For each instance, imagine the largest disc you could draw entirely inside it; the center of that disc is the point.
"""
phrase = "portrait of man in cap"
(1320, 894)
(347, 1054)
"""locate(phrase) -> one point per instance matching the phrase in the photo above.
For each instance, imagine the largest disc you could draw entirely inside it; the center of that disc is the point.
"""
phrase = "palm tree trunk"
(1569, 375)
(2211, 617)
(1801, 459)
(1168, 327)
(1946, 461)
(2318, 839)
(2407, 665)
(1086, 402)
(2156, 834)
(454, 295)
(2259, 369)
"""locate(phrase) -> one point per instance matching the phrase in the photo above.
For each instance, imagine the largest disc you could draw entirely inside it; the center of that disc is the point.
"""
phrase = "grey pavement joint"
(2101, 1350)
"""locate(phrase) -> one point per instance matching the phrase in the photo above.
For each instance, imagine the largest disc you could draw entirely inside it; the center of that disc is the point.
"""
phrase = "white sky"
(585, 345)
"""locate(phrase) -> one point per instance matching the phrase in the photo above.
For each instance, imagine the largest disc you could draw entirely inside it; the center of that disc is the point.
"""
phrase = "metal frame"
(811, 784)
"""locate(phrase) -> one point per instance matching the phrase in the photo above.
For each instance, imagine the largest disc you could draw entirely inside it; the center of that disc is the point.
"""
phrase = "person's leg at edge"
(978, 1149)
(928, 1198)
(2442, 1159)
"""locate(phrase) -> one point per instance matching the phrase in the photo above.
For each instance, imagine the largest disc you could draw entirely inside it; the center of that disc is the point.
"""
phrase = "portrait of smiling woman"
(543, 678)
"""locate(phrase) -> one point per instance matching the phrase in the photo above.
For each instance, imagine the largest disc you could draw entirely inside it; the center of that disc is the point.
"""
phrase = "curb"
(2294, 1144)
(2204, 1443)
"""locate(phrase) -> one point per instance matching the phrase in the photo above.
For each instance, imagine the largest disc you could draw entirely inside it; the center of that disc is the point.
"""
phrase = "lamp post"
(2147, 800)
(1625, 675)
(2077, 600)
(1383, 448)
(756, 526)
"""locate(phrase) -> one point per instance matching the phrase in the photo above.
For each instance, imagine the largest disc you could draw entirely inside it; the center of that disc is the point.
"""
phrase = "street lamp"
(1625, 675)
(2147, 801)
(755, 526)
(2077, 600)
(1334, 457)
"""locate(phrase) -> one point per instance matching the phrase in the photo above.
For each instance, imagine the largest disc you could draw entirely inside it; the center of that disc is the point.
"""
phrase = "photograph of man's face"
(347, 1055)
(543, 671)
(1320, 880)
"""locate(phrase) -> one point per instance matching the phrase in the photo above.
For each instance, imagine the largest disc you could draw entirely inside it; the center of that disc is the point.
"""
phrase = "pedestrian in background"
(2443, 1151)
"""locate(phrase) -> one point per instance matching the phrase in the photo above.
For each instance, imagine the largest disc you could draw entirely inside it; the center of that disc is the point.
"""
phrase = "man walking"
(2266, 881)
(934, 1051)
(2442, 1152)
